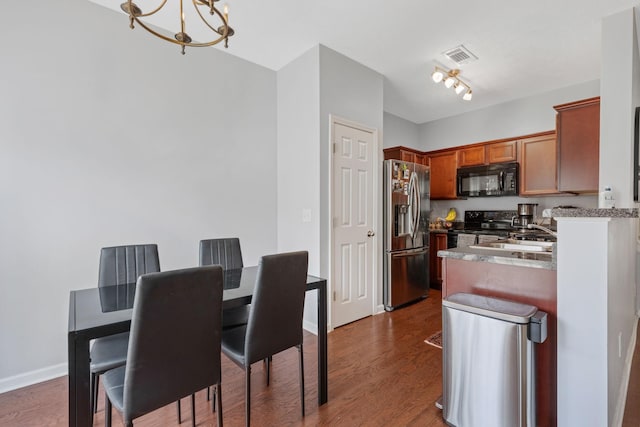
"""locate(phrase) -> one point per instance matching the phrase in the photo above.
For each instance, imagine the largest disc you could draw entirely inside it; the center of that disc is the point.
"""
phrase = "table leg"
(80, 414)
(322, 344)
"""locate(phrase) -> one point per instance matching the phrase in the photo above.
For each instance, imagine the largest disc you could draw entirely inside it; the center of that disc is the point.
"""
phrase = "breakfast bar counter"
(528, 278)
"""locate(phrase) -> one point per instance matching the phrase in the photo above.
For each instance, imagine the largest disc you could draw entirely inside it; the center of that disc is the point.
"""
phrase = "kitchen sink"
(516, 245)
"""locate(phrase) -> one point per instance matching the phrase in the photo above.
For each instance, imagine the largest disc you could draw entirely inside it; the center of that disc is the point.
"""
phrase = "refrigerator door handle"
(416, 191)
(414, 208)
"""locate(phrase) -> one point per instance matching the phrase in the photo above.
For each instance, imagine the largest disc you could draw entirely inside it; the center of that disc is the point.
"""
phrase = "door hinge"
(334, 295)
(334, 147)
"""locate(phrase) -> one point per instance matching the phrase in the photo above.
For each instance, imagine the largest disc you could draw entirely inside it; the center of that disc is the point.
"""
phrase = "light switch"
(306, 215)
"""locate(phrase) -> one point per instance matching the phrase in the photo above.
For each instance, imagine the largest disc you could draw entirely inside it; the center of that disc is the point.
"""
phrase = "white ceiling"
(524, 48)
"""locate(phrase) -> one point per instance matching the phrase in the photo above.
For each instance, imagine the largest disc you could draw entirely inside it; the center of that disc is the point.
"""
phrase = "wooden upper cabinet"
(487, 153)
(538, 165)
(578, 127)
(444, 166)
(421, 159)
(500, 152)
(471, 156)
(406, 155)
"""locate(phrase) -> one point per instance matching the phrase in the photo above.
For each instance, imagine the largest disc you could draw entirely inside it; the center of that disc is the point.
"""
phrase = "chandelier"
(451, 79)
(221, 31)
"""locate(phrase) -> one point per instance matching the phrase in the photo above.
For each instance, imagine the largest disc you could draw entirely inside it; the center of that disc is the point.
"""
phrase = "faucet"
(545, 229)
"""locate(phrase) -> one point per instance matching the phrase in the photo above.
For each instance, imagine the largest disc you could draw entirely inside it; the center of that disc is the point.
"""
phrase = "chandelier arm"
(148, 13)
(169, 39)
(220, 15)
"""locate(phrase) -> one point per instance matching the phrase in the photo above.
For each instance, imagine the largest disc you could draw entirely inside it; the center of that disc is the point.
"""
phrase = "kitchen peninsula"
(523, 277)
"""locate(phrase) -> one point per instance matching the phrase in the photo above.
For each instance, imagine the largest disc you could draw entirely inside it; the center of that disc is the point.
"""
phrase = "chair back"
(174, 348)
(120, 265)
(225, 252)
(275, 319)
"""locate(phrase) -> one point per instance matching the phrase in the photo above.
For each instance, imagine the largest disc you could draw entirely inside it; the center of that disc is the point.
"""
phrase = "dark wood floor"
(381, 373)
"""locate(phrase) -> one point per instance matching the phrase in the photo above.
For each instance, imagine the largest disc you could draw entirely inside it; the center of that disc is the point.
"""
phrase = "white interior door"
(353, 224)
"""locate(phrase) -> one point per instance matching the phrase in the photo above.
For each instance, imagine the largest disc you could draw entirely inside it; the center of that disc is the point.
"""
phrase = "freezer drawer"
(406, 277)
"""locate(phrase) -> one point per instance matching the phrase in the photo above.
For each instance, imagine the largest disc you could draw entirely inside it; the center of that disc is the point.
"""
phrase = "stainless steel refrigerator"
(406, 232)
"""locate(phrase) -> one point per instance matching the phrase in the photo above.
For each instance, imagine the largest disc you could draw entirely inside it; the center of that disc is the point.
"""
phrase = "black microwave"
(500, 179)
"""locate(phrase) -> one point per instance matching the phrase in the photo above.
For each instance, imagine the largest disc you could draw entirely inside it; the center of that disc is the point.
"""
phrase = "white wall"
(109, 136)
(354, 92)
(398, 131)
(510, 119)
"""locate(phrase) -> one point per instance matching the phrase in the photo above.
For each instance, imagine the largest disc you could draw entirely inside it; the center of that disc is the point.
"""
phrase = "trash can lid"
(496, 308)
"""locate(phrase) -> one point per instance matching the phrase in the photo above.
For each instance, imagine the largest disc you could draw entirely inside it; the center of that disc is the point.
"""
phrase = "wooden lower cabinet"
(538, 165)
(444, 167)
(437, 241)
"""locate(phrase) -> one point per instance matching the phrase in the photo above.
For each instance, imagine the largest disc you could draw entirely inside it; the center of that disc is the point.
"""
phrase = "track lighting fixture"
(450, 79)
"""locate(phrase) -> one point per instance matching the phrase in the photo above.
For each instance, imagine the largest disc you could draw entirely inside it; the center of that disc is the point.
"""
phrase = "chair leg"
(193, 410)
(268, 363)
(94, 392)
(247, 397)
(213, 399)
(107, 411)
(301, 377)
(218, 391)
(179, 411)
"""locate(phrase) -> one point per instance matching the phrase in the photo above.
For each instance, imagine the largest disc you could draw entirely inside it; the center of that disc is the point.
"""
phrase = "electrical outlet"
(306, 215)
(620, 345)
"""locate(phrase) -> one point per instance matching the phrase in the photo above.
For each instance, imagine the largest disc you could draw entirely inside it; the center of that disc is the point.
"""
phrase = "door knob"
(370, 233)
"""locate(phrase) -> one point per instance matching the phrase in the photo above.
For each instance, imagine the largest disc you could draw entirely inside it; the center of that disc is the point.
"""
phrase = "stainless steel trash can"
(489, 361)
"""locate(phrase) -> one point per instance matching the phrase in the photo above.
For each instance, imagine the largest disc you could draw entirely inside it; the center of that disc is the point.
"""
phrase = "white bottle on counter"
(607, 200)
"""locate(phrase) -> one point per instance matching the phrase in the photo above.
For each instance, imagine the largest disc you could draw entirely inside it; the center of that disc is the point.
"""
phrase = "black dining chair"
(225, 252)
(174, 348)
(119, 265)
(275, 318)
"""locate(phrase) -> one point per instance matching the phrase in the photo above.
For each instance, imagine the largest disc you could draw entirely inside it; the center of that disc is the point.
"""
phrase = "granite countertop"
(594, 213)
(514, 258)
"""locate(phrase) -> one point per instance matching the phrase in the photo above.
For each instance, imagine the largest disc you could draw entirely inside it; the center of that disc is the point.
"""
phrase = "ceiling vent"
(460, 55)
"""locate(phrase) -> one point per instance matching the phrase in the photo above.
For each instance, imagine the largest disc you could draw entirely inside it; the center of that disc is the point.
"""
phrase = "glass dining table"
(103, 311)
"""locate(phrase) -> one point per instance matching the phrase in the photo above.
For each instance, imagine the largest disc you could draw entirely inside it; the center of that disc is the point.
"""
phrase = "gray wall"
(512, 119)
(109, 136)
(299, 164)
(350, 91)
(316, 85)
(619, 88)
(520, 117)
(398, 131)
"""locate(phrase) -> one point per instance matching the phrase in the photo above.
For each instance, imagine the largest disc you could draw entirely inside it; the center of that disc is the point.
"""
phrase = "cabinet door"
(538, 165)
(471, 156)
(500, 152)
(421, 159)
(578, 127)
(443, 175)
(438, 242)
(404, 154)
